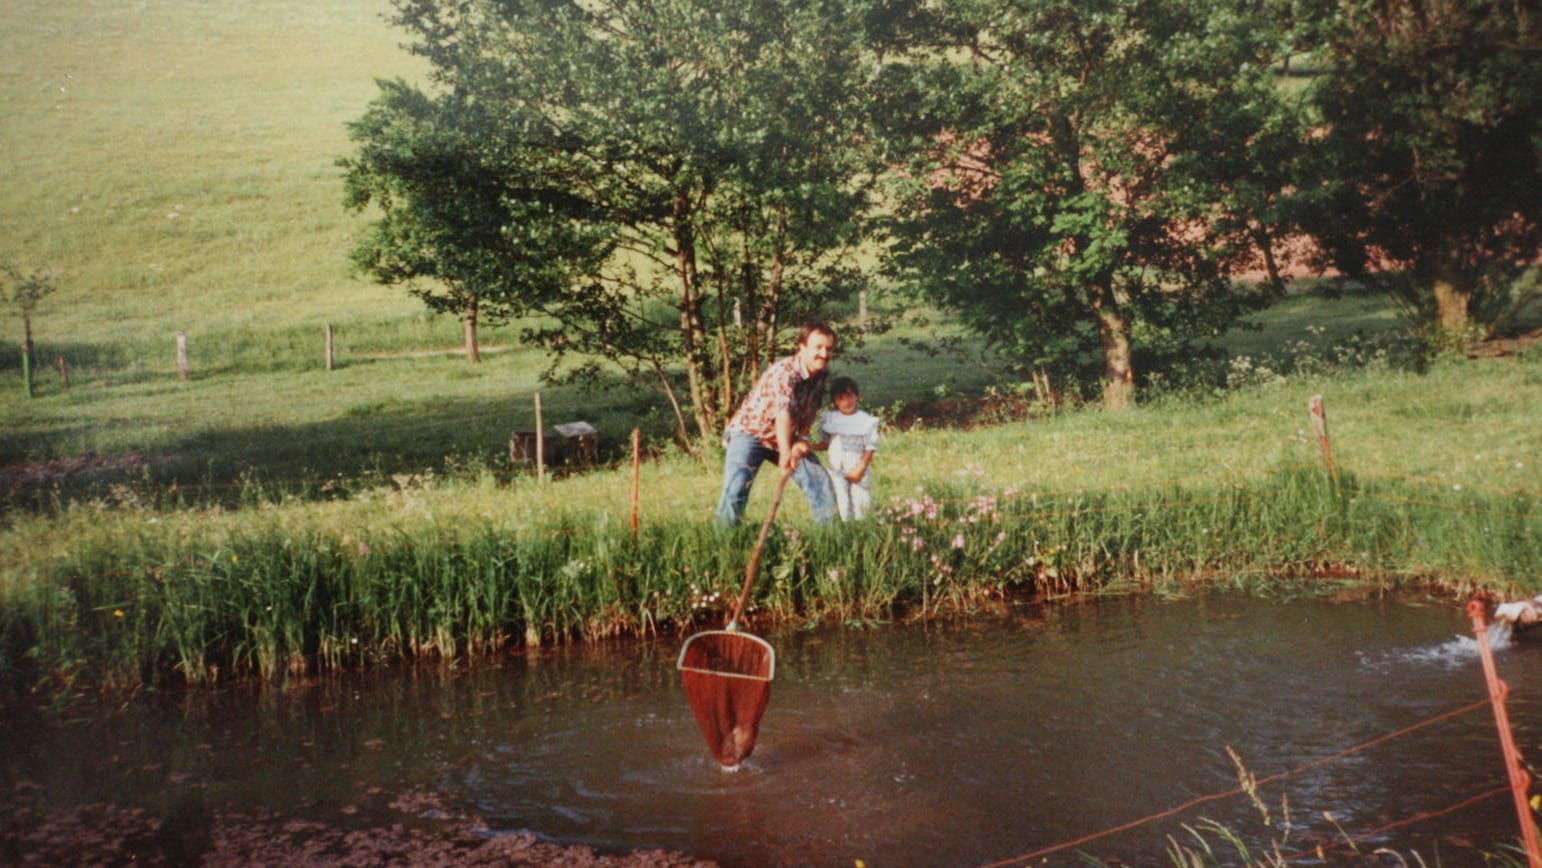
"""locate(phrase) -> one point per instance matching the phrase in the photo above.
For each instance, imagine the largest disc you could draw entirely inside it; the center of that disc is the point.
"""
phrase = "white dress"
(850, 435)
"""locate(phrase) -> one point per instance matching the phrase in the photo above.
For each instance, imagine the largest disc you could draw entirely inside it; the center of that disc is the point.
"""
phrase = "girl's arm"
(858, 474)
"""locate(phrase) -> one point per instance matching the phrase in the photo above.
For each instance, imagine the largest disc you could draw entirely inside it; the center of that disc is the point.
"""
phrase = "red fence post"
(1520, 781)
(636, 477)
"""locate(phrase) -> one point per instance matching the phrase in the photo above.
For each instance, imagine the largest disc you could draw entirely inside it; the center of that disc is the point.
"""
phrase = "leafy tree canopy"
(1069, 164)
(469, 235)
(1431, 152)
(673, 183)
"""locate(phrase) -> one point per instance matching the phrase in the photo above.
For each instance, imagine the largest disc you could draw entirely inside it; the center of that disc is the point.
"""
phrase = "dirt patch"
(1499, 348)
(412, 829)
(42, 473)
(968, 412)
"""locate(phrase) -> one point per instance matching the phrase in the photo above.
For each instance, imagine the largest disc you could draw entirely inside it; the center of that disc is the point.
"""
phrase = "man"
(773, 424)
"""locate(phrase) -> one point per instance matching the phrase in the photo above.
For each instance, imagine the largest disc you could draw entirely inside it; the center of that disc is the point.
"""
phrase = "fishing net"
(727, 676)
(727, 673)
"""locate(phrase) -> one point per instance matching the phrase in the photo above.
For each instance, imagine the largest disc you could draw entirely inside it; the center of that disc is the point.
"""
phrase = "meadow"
(173, 167)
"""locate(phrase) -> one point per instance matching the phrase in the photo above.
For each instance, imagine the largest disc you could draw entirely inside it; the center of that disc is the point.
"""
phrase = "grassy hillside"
(173, 164)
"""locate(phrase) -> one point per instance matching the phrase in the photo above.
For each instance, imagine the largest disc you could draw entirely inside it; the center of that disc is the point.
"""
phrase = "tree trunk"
(747, 363)
(770, 316)
(26, 353)
(1114, 335)
(762, 349)
(1266, 247)
(693, 334)
(473, 349)
(1451, 301)
(681, 433)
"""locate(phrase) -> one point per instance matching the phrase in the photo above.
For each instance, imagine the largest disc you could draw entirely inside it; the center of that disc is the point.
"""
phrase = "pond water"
(962, 743)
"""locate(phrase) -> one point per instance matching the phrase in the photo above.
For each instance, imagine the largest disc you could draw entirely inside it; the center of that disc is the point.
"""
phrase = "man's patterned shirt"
(784, 385)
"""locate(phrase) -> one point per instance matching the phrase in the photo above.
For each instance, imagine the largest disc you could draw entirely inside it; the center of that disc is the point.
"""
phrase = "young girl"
(851, 436)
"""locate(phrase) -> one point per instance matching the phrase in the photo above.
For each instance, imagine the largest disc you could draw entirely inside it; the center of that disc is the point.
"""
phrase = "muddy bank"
(401, 829)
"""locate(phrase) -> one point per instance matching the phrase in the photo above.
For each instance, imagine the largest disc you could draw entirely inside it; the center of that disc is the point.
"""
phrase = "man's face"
(815, 352)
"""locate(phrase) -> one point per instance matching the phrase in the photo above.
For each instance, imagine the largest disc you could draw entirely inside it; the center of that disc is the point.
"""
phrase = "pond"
(970, 742)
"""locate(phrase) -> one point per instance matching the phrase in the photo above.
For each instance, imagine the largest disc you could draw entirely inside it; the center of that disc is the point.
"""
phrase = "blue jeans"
(742, 461)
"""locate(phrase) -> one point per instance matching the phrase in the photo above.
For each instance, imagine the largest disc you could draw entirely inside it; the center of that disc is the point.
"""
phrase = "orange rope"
(1169, 482)
(1130, 507)
(1393, 498)
(1445, 483)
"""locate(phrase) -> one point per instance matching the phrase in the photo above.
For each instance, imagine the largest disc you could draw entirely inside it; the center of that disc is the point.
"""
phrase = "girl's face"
(846, 403)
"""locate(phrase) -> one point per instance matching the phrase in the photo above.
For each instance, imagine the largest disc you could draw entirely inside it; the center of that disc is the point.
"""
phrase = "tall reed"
(139, 605)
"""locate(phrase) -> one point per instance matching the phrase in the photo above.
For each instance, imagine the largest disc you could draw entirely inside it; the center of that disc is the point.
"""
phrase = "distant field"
(173, 164)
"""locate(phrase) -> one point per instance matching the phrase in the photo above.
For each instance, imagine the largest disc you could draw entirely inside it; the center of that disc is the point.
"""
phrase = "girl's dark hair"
(843, 386)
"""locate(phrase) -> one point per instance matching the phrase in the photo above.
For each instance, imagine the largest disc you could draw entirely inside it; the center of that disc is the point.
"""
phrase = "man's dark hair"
(813, 327)
(843, 386)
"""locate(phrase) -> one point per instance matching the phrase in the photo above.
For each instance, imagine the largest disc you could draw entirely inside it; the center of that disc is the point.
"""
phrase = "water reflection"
(958, 743)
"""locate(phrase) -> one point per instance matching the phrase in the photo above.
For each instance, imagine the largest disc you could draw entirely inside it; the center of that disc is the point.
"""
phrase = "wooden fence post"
(636, 466)
(1520, 780)
(329, 346)
(540, 442)
(182, 355)
(1320, 428)
(64, 370)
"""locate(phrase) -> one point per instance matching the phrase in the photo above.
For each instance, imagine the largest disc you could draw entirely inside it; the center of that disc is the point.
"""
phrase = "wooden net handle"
(753, 567)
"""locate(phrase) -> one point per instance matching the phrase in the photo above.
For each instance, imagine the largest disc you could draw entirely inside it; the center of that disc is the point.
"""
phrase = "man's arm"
(790, 449)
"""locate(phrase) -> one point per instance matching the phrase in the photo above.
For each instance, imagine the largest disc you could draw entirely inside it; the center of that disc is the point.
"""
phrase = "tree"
(27, 290)
(473, 238)
(708, 154)
(1431, 153)
(1060, 189)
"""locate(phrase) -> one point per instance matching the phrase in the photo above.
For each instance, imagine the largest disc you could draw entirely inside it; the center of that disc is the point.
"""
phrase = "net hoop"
(770, 656)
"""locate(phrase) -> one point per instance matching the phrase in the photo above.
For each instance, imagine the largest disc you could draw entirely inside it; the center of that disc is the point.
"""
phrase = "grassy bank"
(1439, 482)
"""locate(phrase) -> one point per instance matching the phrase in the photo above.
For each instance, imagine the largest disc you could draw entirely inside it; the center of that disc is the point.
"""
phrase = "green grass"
(1319, 320)
(380, 412)
(174, 168)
